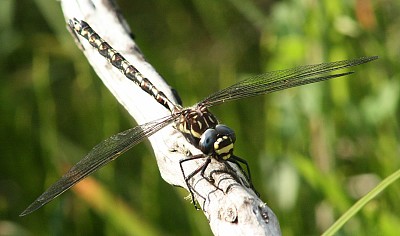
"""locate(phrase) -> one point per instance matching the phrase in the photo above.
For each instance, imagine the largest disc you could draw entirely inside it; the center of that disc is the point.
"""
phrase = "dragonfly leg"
(237, 160)
(200, 169)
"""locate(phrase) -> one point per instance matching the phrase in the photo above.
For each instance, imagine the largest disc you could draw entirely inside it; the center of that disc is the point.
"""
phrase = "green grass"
(315, 152)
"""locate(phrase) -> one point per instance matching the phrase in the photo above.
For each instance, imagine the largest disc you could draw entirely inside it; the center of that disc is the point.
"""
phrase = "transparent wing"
(103, 153)
(282, 79)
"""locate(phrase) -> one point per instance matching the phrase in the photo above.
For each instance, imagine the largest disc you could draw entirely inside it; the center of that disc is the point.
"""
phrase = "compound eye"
(207, 141)
(223, 130)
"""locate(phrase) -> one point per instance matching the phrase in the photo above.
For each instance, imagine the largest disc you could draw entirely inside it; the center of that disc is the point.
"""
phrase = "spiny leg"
(237, 160)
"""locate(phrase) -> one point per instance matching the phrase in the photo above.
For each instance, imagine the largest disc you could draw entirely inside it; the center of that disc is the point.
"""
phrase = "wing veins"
(281, 79)
(103, 153)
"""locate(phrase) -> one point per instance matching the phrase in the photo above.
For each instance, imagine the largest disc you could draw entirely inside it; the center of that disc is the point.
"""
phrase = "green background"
(313, 151)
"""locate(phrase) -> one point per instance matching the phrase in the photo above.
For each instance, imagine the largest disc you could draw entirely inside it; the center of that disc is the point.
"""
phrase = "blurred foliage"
(313, 151)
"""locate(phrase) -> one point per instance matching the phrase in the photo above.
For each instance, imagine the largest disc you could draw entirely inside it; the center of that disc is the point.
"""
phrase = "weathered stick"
(236, 210)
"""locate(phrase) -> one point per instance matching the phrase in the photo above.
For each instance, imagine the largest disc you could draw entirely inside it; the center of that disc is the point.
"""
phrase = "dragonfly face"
(218, 142)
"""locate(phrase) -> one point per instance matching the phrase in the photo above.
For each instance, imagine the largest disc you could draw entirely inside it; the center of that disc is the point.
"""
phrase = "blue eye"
(207, 141)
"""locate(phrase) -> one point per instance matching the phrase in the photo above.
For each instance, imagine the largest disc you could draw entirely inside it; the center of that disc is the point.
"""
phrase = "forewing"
(103, 153)
(282, 79)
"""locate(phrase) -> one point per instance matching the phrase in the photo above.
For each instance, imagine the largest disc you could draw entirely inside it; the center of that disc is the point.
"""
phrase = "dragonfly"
(197, 124)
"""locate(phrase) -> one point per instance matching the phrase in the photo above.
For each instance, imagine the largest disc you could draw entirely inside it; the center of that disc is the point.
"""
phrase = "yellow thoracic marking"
(206, 120)
(194, 133)
(182, 127)
(194, 122)
(212, 120)
(199, 124)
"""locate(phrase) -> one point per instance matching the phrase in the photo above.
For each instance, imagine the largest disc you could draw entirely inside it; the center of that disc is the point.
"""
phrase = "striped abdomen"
(118, 61)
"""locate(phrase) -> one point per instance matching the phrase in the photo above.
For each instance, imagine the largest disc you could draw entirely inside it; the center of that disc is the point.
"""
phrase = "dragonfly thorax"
(193, 122)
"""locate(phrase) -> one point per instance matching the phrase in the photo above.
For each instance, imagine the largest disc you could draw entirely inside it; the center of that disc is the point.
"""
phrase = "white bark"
(234, 211)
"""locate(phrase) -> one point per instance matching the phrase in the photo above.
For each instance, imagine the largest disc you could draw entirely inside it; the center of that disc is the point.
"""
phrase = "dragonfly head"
(218, 141)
